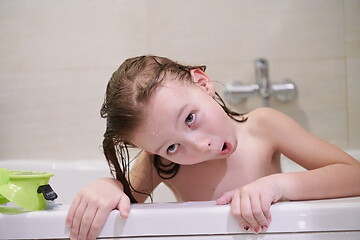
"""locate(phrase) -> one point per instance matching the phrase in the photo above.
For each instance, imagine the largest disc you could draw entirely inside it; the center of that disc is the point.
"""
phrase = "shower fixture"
(284, 91)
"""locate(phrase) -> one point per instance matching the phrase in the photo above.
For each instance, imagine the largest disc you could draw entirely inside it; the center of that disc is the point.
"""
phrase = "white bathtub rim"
(161, 219)
(29, 222)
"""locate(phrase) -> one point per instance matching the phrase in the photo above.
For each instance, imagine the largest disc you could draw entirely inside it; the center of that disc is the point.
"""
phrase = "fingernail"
(246, 228)
(264, 228)
(257, 229)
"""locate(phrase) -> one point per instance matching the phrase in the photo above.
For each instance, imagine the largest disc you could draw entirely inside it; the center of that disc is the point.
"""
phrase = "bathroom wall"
(57, 56)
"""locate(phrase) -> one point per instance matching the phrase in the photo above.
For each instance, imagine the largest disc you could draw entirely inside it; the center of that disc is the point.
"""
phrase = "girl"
(202, 150)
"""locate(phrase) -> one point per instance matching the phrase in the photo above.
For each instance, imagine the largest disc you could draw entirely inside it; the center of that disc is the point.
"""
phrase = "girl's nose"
(202, 145)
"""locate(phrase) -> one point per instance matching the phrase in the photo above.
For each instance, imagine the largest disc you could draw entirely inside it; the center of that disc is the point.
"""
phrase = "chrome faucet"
(262, 80)
(284, 91)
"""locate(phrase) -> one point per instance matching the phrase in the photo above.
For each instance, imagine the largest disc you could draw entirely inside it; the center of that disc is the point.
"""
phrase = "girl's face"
(185, 125)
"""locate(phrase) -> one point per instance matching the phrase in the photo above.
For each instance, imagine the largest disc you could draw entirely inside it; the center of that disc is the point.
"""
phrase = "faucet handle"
(236, 92)
(284, 91)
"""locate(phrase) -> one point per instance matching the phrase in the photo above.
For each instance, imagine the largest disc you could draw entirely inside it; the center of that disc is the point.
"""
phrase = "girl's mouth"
(226, 148)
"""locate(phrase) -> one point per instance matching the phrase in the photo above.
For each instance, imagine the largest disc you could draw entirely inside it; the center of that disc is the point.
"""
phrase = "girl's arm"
(93, 204)
(332, 172)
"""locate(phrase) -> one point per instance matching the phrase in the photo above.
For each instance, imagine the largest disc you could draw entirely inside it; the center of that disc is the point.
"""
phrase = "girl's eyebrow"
(180, 113)
(158, 149)
(178, 116)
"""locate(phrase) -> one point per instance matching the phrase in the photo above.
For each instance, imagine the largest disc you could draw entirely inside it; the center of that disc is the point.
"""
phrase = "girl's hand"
(250, 204)
(92, 206)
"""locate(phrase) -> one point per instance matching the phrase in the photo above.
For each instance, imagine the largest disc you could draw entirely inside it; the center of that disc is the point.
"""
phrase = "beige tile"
(321, 96)
(321, 103)
(68, 35)
(224, 73)
(52, 115)
(242, 30)
(56, 58)
(352, 27)
(353, 70)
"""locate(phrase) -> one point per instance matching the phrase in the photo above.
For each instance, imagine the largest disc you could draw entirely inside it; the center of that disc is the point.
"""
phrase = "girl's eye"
(190, 119)
(172, 148)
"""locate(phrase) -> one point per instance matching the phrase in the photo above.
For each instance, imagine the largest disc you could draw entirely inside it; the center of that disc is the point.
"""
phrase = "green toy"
(27, 189)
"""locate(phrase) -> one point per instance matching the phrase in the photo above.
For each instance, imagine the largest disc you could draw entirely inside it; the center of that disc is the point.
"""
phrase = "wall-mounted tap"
(262, 80)
(284, 91)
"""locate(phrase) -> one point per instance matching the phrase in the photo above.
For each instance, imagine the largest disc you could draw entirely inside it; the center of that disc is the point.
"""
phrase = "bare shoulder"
(275, 127)
(268, 119)
(292, 140)
(264, 113)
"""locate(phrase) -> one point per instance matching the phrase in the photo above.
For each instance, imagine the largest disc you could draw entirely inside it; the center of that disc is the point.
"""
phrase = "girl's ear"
(202, 80)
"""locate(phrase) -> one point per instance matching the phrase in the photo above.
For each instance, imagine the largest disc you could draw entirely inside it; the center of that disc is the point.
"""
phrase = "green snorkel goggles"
(27, 189)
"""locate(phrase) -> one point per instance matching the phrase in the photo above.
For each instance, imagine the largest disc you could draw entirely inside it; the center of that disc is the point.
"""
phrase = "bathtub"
(322, 219)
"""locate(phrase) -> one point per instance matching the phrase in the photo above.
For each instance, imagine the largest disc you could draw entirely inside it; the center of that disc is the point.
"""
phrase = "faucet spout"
(262, 80)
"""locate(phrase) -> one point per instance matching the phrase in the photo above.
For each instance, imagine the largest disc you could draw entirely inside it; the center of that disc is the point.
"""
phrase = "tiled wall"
(57, 56)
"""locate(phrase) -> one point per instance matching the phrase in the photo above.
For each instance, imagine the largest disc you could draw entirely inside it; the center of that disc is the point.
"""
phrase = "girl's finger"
(98, 222)
(237, 211)
(226, 198)
(124, 206)
(71, 213)
(246, 212)
(75, 226)
(86, 222)
(265, 205)
(102, 214)
(257, 211)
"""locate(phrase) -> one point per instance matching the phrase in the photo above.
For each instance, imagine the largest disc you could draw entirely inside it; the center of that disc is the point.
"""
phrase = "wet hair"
(127, 93)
